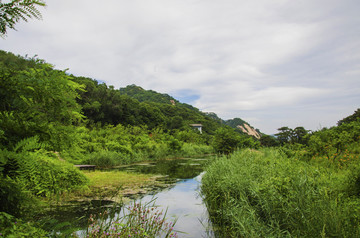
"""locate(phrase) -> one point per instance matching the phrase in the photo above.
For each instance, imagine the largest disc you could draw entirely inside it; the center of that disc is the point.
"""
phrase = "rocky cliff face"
(249, 130)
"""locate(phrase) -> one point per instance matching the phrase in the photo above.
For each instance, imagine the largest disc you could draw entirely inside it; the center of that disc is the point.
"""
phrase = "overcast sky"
(272, 63)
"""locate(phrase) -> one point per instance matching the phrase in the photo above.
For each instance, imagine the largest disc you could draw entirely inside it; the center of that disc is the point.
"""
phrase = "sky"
(271, 63)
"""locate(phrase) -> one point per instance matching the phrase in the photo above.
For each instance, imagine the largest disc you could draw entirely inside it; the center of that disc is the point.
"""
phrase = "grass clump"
(138, 220)
(266, 194)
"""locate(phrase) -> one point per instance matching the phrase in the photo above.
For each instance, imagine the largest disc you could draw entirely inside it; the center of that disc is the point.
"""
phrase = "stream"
(181, 197)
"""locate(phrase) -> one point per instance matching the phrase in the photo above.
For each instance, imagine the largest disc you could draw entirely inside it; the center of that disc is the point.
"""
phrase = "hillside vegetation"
(50, 120)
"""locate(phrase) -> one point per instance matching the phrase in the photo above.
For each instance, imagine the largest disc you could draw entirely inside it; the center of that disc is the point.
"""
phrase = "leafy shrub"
(334, 141)
(11, 227)
(226, 140)
(13, 199)
(107, 159)
(189, 149)
(39, 171)
(160, 151)
(174, 145)
(45, 175)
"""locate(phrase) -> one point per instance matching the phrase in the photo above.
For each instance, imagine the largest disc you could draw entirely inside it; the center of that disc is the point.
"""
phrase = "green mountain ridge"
(143, 95)
(130, 105)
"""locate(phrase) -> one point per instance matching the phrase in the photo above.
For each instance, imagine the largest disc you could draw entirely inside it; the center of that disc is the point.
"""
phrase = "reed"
(266, 194)
(137, 220)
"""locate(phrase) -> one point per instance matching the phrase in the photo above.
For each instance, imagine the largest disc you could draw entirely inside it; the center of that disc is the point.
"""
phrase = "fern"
(16, 10)
(29, 145)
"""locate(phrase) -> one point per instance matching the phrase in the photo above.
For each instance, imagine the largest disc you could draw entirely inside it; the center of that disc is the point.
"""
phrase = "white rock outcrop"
(249, 130)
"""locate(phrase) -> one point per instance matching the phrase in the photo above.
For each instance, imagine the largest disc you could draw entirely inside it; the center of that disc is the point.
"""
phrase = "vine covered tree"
(16, 10)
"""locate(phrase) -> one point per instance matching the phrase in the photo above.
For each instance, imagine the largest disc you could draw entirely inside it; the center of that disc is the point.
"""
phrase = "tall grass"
(137, 220)
(266, 194)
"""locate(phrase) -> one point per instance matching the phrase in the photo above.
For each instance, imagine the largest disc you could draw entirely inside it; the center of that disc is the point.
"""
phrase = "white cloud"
(262, 59)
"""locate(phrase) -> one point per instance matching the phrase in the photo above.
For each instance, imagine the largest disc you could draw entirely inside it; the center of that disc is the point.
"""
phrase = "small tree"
(226, 140)
(284, 134)
(299, 135)
(268, 141)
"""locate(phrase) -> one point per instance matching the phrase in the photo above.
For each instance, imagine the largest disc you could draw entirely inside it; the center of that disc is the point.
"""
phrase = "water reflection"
(175, 168)
(184, 203)
(182, 199)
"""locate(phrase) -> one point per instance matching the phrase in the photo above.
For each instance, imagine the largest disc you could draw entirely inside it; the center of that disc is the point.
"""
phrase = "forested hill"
(143, 95)
(131, 105)
(135, 106)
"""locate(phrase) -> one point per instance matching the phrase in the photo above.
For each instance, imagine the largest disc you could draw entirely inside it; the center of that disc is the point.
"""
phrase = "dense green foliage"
(226, 141)
(39, 115)
(135, 106)
(297, 135)
(354, 117)
(298, 190)
(13, 228)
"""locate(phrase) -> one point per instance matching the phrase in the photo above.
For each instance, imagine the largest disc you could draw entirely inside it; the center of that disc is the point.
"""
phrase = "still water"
(181, 197)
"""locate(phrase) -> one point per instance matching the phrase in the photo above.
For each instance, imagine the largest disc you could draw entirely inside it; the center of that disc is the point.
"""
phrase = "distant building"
(197, 126)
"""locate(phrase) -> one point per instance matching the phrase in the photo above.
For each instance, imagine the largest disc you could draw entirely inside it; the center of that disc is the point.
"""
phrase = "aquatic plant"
(139, 220)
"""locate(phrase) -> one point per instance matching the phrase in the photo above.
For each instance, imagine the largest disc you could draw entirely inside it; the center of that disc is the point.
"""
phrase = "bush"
(189, 149)
(106, 159)
(226, 140)
(11, 227)
(45, 175)
(38, 171)
(13, 199)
